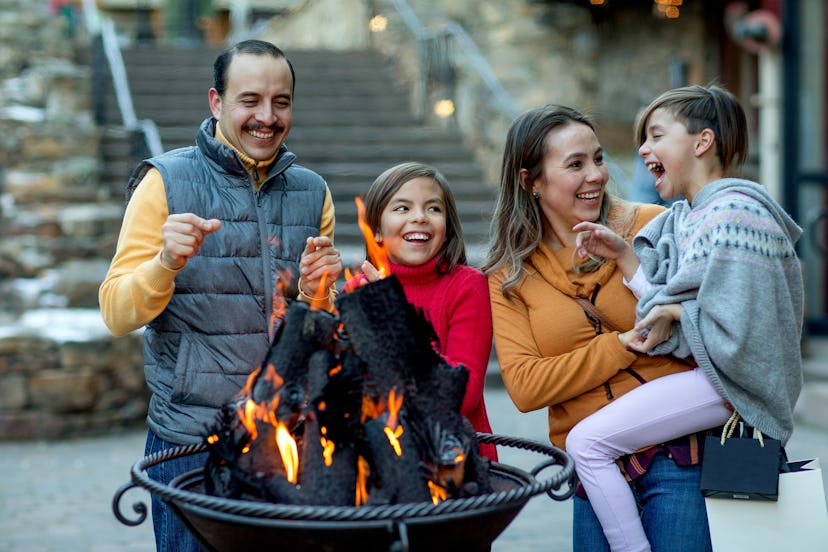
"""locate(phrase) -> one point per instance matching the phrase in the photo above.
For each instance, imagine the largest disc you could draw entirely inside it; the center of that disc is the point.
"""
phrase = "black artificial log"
(394, 478)
(335, 399)
(387, 333)
(303, 332)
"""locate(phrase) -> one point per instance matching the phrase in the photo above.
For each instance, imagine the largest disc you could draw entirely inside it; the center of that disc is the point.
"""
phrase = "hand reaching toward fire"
(319, 259)
(371, 272)
(183, 234)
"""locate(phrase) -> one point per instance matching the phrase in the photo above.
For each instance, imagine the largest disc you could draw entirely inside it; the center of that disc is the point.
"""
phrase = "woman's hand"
(655, 328)
(597, 240)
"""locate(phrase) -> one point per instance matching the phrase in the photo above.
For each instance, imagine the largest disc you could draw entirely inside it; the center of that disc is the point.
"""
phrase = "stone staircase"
(350, 122)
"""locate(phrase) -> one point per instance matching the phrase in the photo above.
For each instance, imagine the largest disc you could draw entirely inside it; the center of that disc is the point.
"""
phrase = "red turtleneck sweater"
(457, 305)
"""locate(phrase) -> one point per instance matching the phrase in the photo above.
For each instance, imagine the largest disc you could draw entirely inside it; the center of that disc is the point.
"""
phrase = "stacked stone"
(63, 375)
(58, 230)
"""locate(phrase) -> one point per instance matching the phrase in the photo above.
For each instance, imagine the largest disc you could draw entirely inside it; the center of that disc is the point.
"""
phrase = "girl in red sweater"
(411, 210)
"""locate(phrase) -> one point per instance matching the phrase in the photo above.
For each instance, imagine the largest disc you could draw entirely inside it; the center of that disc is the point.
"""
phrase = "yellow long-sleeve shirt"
(138, 287)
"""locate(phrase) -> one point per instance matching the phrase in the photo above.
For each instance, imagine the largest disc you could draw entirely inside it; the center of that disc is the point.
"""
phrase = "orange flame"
(392, 429)
(288, 451)
(376, 252)
(278, 300)
(394, 438)
(394, 404)
(370, 409)
(363, 471)
(321, 292)
(438, 494)
(327, 446)
(250, 412)
(247, 416)
(251, 380)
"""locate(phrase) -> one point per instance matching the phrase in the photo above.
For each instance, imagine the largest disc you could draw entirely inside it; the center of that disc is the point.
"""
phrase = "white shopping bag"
(798, 521)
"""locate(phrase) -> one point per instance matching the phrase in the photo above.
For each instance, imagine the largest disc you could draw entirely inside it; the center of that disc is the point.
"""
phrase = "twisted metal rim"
(353, 513)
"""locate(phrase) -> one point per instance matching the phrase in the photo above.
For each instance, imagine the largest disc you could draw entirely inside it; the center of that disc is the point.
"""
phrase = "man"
(209, 235)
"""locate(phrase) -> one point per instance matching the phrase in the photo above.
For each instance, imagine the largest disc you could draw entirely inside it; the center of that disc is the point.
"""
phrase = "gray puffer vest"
(199, 352)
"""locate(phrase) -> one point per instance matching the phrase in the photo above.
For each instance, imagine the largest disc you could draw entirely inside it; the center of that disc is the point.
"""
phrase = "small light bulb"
(444, 108)
(378, 24)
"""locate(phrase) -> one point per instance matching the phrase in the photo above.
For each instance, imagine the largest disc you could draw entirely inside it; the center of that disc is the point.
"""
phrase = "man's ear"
(705, 141)
(215, 103)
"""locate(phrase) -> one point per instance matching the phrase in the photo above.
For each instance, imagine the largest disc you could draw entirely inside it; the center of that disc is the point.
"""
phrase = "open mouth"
(417, 237)
(588, 196)
(261, 134)
(656, 169)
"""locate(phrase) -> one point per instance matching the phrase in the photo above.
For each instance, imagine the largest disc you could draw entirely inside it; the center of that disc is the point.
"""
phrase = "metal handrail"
(478, 62)
(105, 29)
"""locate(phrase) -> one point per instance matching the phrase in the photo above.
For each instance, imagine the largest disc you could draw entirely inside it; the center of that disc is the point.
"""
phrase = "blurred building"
(608, 57)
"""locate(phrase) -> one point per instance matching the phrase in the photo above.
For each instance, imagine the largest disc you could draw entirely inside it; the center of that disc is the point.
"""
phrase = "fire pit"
(349, 436)
(456, 524)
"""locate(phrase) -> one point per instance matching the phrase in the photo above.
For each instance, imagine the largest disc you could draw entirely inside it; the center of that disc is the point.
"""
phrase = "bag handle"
(593, 311)
(730, 426)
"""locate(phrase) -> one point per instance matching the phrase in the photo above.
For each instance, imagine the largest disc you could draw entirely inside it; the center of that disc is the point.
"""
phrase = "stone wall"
(559, 52)
(61, 373)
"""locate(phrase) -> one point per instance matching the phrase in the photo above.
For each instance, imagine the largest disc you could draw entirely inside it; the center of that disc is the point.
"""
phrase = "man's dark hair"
(255, 47)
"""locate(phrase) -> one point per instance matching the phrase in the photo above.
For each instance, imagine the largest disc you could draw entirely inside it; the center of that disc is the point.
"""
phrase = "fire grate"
(470, 523)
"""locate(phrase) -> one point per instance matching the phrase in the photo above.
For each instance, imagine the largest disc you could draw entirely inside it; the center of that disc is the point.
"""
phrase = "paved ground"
(56, 496)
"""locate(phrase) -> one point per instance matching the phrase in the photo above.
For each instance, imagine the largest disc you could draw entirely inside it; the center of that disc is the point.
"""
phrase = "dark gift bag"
(742, 466)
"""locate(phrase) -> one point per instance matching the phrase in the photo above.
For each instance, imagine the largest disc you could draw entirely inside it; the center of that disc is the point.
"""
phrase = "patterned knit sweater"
(729, 258)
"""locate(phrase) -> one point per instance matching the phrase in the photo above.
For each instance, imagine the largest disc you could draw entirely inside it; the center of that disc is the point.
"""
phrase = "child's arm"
(653, 329)
(596, 239)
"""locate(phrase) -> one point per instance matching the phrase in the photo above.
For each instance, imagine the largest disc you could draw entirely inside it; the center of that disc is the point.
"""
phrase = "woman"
(558, 317)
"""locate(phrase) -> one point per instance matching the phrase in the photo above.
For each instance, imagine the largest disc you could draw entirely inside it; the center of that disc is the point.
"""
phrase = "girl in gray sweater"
(718, 282)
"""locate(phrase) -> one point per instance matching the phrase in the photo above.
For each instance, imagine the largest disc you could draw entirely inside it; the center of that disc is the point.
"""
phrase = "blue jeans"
(171, 535)
(672, 512)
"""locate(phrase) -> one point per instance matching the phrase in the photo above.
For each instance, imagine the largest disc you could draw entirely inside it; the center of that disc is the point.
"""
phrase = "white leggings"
(656, 412)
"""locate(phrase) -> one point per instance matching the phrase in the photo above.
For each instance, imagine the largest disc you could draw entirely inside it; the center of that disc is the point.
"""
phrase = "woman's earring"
(536, 195)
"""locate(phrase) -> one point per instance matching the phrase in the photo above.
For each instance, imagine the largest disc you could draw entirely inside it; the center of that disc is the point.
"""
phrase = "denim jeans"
(672, 511)
(171, 535)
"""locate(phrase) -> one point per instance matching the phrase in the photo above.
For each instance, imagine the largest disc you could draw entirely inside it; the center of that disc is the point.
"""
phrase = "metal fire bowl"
(223, 524)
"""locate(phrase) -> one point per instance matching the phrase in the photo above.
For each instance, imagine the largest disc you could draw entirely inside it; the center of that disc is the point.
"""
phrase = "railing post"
(143, 24)
(440, 70)
(100, 74)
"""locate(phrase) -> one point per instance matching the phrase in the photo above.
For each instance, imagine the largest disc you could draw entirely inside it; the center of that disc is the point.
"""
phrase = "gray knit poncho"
(730, 260)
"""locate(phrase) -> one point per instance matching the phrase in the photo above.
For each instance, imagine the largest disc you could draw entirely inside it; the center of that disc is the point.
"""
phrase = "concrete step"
(356, 101)
(350, 123)
(165, 115)
(304, 62)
